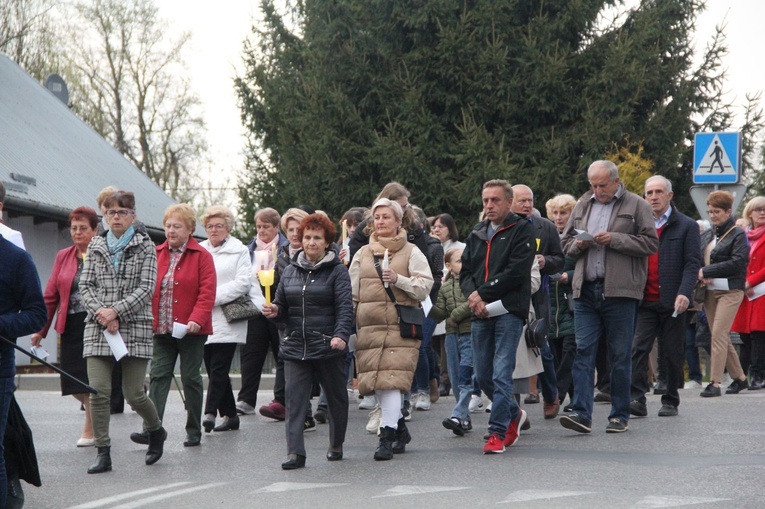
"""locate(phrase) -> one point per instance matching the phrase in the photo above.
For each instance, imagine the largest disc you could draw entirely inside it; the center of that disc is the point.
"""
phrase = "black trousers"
(753, 354)
(655, 322)
(220, 395)
(565, 351)
(299, 377)
(262, 335)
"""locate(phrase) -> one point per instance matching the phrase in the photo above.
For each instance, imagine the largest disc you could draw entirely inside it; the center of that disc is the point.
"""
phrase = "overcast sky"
(218, 30)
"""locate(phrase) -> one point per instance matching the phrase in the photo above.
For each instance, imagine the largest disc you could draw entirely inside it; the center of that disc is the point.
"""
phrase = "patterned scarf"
(117, 245)
(268, 247)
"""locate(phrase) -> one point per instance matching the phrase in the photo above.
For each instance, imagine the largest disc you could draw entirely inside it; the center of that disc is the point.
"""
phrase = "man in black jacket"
(672, 275)
(496, 280)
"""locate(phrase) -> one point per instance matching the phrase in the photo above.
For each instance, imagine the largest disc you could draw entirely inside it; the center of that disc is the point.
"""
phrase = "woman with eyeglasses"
(234, 280)
(183, 298)
(62, 293)
(116, 284)
(725, 254)
(750, 319)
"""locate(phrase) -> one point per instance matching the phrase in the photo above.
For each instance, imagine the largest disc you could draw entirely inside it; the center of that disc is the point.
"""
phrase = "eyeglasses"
(209, 227)
(759, 210)
(120, 212)
(75, 229)
(715, 212)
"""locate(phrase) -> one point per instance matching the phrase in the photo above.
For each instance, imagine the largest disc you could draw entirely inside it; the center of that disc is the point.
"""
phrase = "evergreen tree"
(442, 95)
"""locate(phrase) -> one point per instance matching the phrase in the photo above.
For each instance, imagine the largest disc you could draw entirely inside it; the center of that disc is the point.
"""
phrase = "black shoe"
(457, 426)
(737, 386)
(402, 438)
(406, 408)
(667, 411)
(192, 441)
(228, 424)
(208, 424)
(443, 390)
(309, 424)
(293, 462)
(660, 388)
(756, 384)
(616, 426)
(15, 497)
(320, 416)
(638, 409)
(711, 392)
(103, 461)
(602, 397)
(526, 424)
(575, 423)
(384, 450)
(156, 445)
(335, 453)
(141, 438)
(531, 399)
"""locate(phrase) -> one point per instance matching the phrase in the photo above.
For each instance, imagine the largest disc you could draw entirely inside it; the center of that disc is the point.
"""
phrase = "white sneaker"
(476, 404)
(693, 384)
(368, 403)
(423, 401)
(243, 408)
(373, 426)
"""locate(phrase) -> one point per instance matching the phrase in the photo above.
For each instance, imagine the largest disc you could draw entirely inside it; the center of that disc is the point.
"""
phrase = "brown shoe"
(551, 409)
(434, 392)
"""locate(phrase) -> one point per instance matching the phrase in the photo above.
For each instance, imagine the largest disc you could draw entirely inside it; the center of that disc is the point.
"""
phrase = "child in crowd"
(452, 306)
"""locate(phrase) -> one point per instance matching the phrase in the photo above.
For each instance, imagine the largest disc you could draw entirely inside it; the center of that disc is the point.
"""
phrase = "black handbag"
(536, 333)
(410, 318)
(240, 308)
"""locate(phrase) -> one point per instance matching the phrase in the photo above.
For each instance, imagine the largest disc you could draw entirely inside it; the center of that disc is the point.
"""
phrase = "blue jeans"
(7, 372)
(459, 358)
(422, 374)
(495, 341)
(616, 317)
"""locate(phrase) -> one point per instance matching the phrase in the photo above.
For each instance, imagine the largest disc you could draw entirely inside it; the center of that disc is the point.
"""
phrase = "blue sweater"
(22, 308)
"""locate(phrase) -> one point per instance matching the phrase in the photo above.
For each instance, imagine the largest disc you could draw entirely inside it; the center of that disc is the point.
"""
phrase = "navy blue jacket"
(679, 258)
(315, 303)
(22, 308)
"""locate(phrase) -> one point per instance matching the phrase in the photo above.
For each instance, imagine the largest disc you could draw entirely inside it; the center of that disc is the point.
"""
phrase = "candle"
(345, 230)
(273, 255)
(385, 265)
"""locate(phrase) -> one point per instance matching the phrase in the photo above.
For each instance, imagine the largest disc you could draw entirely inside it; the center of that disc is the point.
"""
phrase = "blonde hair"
(392, 205)
(294, 214)
(220, 212)
(104, 193)
(756, 202)
(182, 211)
(563, 202)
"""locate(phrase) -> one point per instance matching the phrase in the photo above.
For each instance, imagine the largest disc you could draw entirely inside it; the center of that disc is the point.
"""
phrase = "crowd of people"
(611, 285)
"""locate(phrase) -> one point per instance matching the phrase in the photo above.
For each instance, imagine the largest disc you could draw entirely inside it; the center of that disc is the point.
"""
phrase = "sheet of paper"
(116, 343)
(179, 330)
(496, 308)
(758, 290)
(583, 235)
(719, 283)
(427, 305)
(40, 352)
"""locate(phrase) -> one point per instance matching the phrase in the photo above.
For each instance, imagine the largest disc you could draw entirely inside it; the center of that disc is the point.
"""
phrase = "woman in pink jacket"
(62, 294)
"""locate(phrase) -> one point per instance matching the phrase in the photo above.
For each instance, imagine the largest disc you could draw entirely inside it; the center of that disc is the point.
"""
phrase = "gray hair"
(221, 212)
(613, 170)
(392, 205)
(667, 182)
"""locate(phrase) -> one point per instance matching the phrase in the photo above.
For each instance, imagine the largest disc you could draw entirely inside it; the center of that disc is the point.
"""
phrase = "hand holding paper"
(583, 235)
(116, 344)
(179, 330)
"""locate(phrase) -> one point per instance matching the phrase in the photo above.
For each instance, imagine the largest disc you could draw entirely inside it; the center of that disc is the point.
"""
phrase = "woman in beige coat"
(386, 361)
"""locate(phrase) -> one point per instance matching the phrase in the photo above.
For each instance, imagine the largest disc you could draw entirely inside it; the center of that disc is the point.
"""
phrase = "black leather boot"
(156, 445)
(402, 438)
(103, 461)
(385, 449)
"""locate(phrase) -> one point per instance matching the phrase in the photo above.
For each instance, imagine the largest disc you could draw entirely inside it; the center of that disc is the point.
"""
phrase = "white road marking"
(157, 498)
(103, 502)
(529, 495)
(398, 491)
(656, 502)
(279, 487)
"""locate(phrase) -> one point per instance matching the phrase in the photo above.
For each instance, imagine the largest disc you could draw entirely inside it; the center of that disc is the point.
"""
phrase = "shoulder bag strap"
(379, 273)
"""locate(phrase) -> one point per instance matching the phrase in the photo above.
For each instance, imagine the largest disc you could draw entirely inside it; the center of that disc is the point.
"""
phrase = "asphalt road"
(711, 456)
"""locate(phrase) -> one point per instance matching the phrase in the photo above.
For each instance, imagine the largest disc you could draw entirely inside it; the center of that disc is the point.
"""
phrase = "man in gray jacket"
(611, 233)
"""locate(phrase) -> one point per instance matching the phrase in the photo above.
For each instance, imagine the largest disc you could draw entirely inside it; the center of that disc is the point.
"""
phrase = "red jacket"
(59, 288)
(194, 287)
(751, 314)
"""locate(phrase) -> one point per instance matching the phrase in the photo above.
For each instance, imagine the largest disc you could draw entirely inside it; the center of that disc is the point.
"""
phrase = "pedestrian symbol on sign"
(716, 158)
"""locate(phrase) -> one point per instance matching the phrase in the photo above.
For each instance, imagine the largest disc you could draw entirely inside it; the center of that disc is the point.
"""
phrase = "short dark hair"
(504, 184)
(354, 216)
(120, 198)
(448, 221)
(720, 199)
(318, 222)
(84, 214)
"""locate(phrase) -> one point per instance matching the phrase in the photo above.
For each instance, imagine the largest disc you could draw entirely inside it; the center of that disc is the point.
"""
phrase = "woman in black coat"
(314, 302)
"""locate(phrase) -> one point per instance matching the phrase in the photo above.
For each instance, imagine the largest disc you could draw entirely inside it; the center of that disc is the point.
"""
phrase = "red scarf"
(754, 235)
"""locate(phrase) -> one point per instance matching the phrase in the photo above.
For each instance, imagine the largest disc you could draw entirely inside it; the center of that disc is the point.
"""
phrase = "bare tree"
(127, 83)
(27, 35)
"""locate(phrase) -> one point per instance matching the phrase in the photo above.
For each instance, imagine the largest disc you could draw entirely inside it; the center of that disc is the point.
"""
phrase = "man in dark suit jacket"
(550, 258)
(672, 275)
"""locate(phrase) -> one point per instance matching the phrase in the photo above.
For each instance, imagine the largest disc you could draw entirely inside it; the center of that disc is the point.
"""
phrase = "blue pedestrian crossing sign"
(717, 158)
